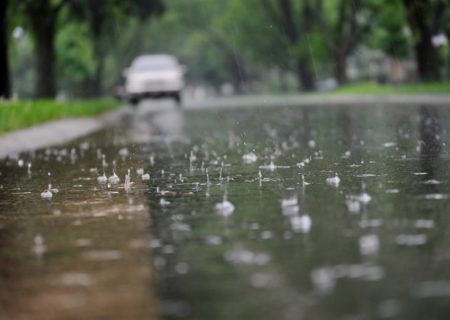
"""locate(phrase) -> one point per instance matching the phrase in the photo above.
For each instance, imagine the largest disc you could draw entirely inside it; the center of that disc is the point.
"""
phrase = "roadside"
(73, 119)
(19, 114)
(55, 132)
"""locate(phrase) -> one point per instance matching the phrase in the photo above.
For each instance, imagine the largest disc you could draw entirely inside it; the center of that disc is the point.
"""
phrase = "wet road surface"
(275, 213)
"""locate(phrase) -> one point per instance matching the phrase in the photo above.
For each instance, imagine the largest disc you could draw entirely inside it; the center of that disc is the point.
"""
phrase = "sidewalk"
(55, 132)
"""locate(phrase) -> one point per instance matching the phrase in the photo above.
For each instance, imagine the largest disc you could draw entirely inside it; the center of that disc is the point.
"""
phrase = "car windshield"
(154, 63)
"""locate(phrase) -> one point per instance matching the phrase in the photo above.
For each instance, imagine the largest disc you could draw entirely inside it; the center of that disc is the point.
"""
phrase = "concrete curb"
(55, 132)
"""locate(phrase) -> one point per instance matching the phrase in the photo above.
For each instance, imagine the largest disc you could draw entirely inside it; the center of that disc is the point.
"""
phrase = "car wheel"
(177, 97)
(134, 102)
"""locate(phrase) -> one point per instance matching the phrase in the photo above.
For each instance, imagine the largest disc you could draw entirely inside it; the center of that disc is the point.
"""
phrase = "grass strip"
(21, 114)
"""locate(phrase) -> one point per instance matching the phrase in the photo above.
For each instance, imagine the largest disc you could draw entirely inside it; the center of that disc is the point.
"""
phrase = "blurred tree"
(344, 24)
(296, 21)
(41, 17)
(210, 41)
(5, 85)
(388, 28)
(250, 44)
(261, 44)
(103, 18)
(420, 15)
(76, 63)
(442, 27)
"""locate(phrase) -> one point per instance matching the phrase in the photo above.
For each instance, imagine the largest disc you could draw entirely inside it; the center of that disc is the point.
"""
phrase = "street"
(282, 212)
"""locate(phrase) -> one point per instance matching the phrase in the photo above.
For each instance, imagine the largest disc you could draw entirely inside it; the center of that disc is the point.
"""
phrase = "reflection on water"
(373, 245)
(275, 213)
(82, 253)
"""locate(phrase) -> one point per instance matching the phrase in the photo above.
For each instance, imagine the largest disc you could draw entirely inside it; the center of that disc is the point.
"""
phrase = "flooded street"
(336, 212)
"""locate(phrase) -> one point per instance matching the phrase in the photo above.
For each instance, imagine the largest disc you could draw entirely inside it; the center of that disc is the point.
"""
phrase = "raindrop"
(220, 174)
(289, 202)
(124, 152)
(163, 202)
(304, 182)
(102, 179)
(127, 185)
(249, 158)
(333, 181)
(207, 176)
(224, 208)
(353, 206)
(152, 159)
(272, 167)
(47, 194)
(323, 280)
(114, 179)
(347, 154)
(301, 224)
(369, 244)
(39, 245)
(364, 198)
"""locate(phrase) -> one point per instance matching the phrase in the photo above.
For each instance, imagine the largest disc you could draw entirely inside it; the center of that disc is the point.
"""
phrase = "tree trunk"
(427, 56)
(97, 38)
(45, 47)
(305, 60)
(97, 83)
(341, 69)
(43, 22)
(5, 85)
(305, 76)
(427, 60)
(237, 72)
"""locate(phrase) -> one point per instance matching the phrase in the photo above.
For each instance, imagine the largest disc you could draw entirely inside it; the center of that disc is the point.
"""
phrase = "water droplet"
(333, 181)
(369, 244)
(249, 158)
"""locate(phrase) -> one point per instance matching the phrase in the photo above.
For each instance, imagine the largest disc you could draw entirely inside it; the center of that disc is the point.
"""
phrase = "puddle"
(312, 212)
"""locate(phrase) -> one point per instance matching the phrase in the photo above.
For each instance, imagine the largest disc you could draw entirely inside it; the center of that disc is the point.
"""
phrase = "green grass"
(20, 114)
(375, 88)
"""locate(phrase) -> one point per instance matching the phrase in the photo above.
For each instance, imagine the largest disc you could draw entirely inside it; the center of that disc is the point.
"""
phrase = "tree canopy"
(80, 47)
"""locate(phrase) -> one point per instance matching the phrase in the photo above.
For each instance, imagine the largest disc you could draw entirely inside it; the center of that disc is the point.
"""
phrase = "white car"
(154, 76)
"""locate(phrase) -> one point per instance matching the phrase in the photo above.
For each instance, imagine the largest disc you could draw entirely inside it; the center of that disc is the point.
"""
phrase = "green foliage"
(196, 32)
(220, 41)
(389, 33)
(75, 57)
(19, 114)
(259, 38)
